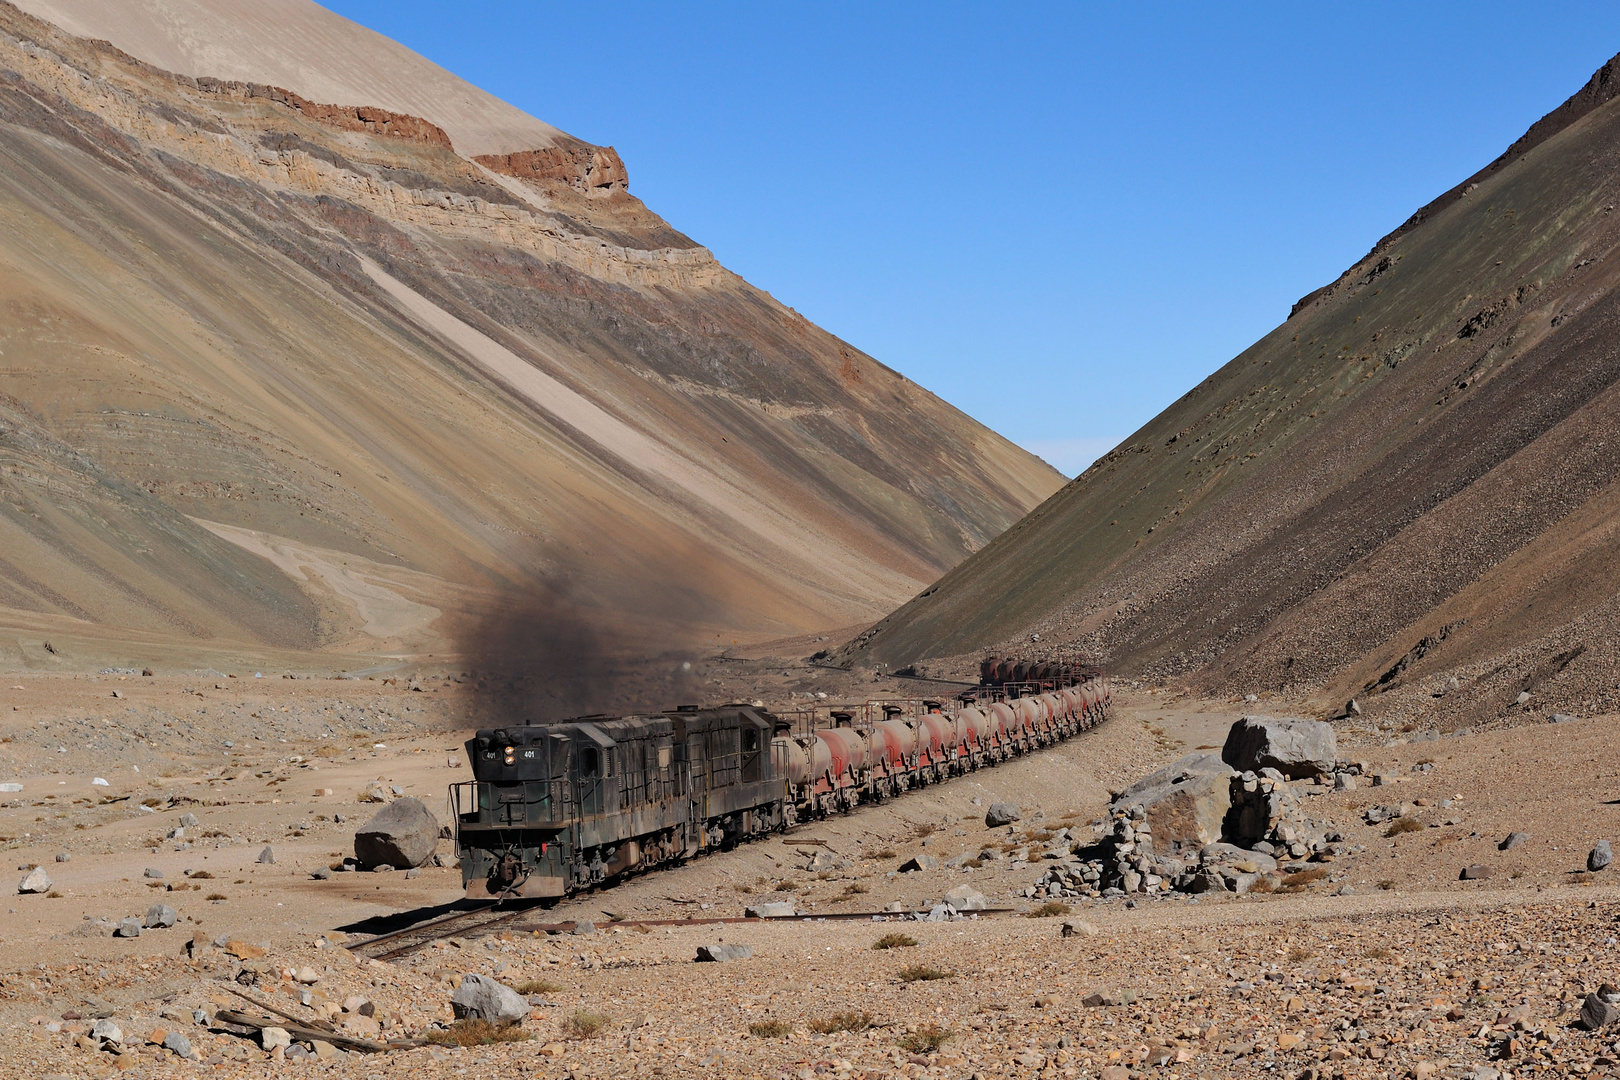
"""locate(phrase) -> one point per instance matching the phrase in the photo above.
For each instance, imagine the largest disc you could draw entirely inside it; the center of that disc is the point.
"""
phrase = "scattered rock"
(36, 882)
(1476, 872)
(106, 1033)
(1002, 813)
(1344, 782)
(322, 873)
(481, 998)
(130, 927)
(153, 873)
(720, 953)
(919, 862)
(273, 1037)
(63, 856)
(1513, 840)
(1183, 804)
(583, 927)
(268, 855)
(1108, 998)
(1597, 1013)
(189, 821)
(1600, 856)
(160, 915)
(177, 1044)
(404, 833)
(308, 976)
(1296, 748)
(361, 1006)
(966, 898)
(1079, 928)
(774, 910)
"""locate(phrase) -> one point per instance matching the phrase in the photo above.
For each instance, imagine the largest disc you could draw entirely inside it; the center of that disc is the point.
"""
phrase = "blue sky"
(1057, 217)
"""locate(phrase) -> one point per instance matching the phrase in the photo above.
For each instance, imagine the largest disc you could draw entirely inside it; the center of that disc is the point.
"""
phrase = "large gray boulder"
(403, 833)
(481, 998)
(1002, 813)
(1295, 748)
(1185, 802)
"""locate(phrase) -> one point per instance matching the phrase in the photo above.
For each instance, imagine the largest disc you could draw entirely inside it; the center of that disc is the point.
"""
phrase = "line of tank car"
(556, 808)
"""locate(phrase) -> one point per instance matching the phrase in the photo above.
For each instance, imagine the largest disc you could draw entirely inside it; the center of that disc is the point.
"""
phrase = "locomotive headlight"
(511, 759)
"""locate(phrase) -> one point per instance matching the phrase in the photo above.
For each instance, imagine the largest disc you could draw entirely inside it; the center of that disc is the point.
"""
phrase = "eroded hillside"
(1406, 492)
(285, 374)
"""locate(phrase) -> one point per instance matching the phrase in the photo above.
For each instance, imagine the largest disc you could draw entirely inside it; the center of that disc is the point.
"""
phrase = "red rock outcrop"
(583, 167)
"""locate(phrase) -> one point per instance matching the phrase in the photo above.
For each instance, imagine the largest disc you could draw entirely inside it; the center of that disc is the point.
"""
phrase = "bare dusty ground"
(1409, 971)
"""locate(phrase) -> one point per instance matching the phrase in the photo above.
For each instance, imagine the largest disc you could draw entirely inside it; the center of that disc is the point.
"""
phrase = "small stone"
(1476, 872)
(322, 873)
(308, 976)
(413, 872)
(324, 1051)
(273, 1037)
(359, 1005)
(62, 856)
(720, 953)
(1600, 856)
(1108, 998)
(919, 862)
(130, 927)
(1513, 840)
(1002, 813)
(1344, 782)
(160, 915)
(382, 868)
(177, 1044)
(152, 872)
(105, 1032)
(36, 882)
(1079, 928)
(583, 927)
(1524, 696)
(243, 950)
(268, 855)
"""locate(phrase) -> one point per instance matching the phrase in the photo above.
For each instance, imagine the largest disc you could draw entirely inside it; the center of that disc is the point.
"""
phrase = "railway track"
(486, 920)
(403, 942)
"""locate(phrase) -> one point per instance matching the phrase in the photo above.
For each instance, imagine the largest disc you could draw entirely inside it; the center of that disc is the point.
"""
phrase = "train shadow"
(400, 920)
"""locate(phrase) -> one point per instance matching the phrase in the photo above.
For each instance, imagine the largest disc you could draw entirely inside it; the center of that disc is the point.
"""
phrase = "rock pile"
(1198, 826)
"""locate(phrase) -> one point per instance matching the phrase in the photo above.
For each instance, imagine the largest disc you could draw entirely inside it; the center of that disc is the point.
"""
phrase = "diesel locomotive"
(556, 808)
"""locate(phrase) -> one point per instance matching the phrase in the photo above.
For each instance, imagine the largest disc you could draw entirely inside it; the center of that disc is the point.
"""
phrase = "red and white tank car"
(834, 769)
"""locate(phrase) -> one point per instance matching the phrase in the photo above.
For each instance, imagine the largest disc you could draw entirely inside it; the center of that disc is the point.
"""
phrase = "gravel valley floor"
(1389, 965)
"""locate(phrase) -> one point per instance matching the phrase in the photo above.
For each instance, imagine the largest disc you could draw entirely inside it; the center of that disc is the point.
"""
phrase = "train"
(558, 808)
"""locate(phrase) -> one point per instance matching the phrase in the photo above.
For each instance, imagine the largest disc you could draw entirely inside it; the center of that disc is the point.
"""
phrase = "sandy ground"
(1409, 971)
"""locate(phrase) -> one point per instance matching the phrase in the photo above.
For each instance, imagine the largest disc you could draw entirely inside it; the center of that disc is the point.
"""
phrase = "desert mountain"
(1408, 492)
(309, 346)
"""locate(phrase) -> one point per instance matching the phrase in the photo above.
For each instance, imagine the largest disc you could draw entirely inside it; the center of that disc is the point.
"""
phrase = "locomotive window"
(589, 762)
(750, 740)
(663, 757)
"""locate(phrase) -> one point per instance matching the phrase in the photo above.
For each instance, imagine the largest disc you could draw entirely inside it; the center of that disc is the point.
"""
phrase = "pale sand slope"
(305, 48)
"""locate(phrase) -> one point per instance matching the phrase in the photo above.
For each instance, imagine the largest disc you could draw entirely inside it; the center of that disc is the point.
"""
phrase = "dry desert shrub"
(770, 1029)
(477, 1033)
(1048, 909)
(537, 986)
(922, 973)
(1299, 954)
(1300, 878)
(1403, 825)
(586, 1024)
(925, 1040)
(841, 1021)
(894, 941)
